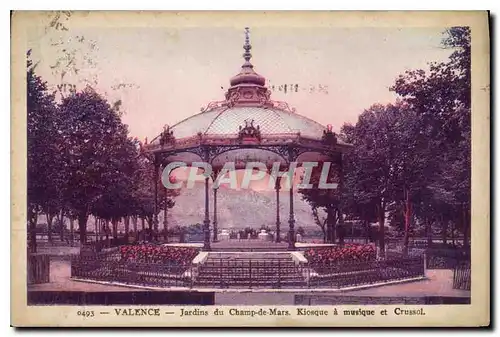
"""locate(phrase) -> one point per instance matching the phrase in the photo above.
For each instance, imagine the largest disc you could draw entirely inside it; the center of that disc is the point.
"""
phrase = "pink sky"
(340, 71)
(179, 71)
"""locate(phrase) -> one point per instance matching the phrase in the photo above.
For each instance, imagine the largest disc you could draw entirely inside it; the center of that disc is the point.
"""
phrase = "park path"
(60, 279)
(438, 283)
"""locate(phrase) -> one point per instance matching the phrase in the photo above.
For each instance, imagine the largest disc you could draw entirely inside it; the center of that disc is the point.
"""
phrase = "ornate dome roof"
(227, 121)
(247, 114)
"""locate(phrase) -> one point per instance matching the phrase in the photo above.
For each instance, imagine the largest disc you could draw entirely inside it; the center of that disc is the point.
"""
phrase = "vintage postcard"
(184, 169)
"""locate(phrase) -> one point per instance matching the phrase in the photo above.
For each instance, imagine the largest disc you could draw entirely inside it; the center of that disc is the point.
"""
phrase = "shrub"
(341, 254)
(158, 254)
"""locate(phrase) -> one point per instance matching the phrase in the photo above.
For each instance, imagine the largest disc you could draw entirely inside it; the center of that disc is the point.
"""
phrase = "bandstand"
(247, 126)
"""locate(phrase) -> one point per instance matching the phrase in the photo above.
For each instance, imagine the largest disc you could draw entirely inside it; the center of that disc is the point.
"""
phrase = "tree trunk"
(96, 228)
(453, 233)
(428, 231)
(381, 224)
(32, 226)
(321, 224)
(143, 228)
(72, 230)
(106, 224)
(60, 220)
(82, 226)
(114, 222)
(466, 222)
(407, 215)
(330, 225)
(366, 226)
(49, 218)
(150, 228)
(134, 224)
(102, 223)
(104, 229)
(445, 231)
(126, 221)
(340, 226)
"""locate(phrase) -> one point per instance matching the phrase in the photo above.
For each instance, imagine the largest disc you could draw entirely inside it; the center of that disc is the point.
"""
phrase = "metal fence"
(435, 258)
(247, 273)
(445, 258)
(251, 273)
(367, 272)
(133, 273)
(38, 269)
(462, 275)
(328, 299)
(459, 260)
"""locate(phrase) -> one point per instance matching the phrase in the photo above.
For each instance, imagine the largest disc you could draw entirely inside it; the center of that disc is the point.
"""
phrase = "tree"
(117, 199)
(95, 151)
(441, 98)
(413, 167)
(43, 151)
(144, 198)
(358, 208)
(371, 169)
(320, 222)
(326, 199)
(389, 169)
(55, 155)
(144, 191)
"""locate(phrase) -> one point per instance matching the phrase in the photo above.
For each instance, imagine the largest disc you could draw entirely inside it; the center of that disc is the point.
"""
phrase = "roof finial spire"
(247, 75)
(247, 46)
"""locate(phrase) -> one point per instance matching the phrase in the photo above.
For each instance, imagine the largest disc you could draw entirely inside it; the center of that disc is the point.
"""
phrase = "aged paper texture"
(183, 169)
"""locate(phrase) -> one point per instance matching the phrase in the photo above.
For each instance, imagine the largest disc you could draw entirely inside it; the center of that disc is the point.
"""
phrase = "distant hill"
(235, 209)
(239, 208)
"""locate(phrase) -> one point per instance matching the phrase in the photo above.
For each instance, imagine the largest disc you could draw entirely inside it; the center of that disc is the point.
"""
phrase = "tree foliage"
(81, 160)
(409, 165)
(410, 161)
(326, 200)
(44, 142)
(442, 100)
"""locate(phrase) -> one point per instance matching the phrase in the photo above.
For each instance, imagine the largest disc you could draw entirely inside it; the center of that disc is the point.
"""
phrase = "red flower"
(349, 252)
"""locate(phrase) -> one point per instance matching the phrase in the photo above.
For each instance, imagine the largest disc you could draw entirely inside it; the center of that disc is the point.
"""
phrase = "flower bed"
(158, 254)
(341, 254)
